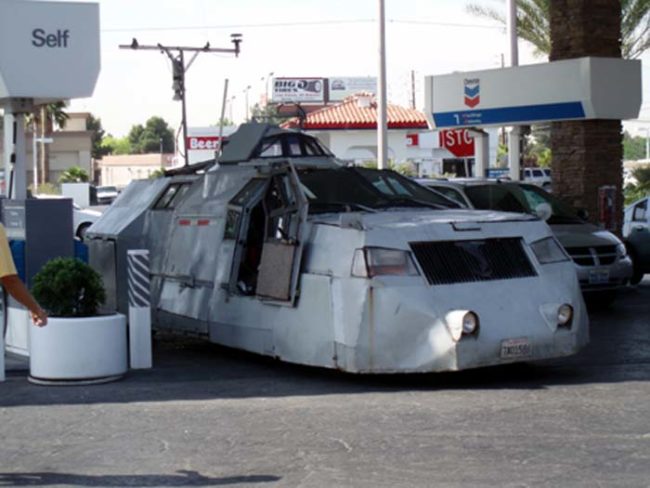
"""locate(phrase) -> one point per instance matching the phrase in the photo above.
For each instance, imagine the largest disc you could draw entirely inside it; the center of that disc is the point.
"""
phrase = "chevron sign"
(472, 92)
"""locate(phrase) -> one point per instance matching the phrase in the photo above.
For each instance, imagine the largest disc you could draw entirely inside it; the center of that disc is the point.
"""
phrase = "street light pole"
(266, 88)
(230, 104)
(247, 116)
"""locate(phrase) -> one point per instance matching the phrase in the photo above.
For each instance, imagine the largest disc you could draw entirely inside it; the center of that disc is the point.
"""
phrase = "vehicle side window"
(450, 193)
(641, 212)
(271, 148)
(493, 197)
(538, 173)
(171, 196)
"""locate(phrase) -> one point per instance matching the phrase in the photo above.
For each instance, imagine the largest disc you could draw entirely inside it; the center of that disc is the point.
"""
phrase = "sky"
(304, 38)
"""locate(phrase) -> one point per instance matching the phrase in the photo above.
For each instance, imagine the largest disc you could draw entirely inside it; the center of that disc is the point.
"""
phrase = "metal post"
(20, 167)
(139, 308)
(34, 160)
(382, 132)
(515, 133)
(511, 28)
(647, 143)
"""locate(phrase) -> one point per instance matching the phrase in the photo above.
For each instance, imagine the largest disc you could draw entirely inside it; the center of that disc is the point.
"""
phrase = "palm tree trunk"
(587, 155)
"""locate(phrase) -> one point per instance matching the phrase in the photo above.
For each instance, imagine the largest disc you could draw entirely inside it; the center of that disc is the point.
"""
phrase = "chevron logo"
(472, 92)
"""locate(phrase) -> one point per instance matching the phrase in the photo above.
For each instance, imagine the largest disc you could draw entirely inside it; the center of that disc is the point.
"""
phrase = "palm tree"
(533, 24)
(43, 120)
(75, 174)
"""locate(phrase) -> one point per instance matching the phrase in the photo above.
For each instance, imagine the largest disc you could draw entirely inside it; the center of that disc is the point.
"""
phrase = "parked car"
(82, 219)
(106, 195)
(600, 257)
(538, 176)
(636, 233)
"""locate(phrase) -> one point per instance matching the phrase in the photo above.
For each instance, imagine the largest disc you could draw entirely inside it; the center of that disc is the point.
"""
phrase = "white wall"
(361, 145)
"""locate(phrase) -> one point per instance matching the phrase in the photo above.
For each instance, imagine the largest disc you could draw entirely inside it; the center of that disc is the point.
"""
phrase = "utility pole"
(179, 69)
(382, 130)
(514, 140)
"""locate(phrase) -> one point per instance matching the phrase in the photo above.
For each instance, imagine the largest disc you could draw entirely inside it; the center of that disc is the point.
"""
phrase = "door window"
(641, 212)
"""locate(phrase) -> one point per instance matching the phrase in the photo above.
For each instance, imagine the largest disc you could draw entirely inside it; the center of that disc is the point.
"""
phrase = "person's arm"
(19, 291)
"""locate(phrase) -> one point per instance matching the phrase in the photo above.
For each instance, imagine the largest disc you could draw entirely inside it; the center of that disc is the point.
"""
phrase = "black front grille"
(592, 256)
(468, 261)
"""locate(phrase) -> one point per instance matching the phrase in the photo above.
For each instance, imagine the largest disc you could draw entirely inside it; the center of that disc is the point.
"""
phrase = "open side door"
(286, 210)
(267, 220)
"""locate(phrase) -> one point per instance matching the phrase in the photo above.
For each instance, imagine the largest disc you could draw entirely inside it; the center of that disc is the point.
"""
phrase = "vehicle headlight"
(378, 261)
(565, 315)
(621, 251)
(462, 323)
(470, 323)
(548, 250)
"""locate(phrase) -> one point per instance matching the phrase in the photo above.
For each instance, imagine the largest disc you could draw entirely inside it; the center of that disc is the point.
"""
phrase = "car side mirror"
(583, 214)
(544, 211)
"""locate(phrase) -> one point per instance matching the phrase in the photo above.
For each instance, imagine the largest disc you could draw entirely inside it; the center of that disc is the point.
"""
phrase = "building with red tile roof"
(359, 112)
(349, 130)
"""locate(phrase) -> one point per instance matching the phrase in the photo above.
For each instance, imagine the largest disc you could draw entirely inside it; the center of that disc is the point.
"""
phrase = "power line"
(301, 24)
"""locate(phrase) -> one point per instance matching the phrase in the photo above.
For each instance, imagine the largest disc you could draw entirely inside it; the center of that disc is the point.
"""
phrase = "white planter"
(79, 350)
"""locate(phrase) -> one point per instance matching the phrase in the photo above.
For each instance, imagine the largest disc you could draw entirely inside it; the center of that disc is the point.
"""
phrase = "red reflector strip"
(203, 222)
(184, 222)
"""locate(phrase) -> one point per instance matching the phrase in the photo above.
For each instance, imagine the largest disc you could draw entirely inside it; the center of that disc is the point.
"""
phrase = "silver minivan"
(600, 258)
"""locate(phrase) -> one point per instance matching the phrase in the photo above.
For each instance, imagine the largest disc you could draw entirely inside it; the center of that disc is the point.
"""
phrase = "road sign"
(458, 142)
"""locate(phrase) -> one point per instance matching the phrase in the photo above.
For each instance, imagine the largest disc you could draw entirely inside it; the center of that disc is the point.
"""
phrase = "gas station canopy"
(48, 50)
(574, 89)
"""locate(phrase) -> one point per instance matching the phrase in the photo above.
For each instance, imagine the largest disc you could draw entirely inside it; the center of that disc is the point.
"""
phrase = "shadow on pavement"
(196, 370)
(183, 478)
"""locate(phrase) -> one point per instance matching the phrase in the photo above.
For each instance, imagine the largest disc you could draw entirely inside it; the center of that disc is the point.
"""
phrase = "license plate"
(598, 276)
(515, 348)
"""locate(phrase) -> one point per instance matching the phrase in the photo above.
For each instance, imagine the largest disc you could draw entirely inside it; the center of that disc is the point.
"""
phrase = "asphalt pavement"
(210, 416)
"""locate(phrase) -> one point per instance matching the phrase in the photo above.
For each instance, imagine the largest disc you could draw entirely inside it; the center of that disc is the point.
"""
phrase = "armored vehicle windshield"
(354, 189)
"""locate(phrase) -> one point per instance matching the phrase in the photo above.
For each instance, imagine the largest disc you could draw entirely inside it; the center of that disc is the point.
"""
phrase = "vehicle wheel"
(637, 273)
(81, 231)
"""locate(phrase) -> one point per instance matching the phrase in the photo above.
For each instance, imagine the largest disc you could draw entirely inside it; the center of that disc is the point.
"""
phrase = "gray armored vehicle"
(282, 250)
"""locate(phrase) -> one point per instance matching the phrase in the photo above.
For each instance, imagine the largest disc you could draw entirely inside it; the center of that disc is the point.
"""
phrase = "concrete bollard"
(139, 309)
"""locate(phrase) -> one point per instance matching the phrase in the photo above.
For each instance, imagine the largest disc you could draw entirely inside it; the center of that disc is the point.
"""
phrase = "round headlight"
(470, 323)
(564, 314)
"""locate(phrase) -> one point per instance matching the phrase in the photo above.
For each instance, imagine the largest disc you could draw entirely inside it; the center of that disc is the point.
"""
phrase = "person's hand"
(39, 317)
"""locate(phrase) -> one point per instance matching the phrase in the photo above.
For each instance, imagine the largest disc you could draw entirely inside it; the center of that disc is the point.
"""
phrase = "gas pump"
(607, 207)
(63, 39)
(38, 231)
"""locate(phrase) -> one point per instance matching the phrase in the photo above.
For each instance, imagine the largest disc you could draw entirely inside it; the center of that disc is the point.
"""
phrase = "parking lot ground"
(210, 416)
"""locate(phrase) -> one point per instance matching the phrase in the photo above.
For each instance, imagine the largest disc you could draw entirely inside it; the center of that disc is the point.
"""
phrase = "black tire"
(81, 231)
(637, 273)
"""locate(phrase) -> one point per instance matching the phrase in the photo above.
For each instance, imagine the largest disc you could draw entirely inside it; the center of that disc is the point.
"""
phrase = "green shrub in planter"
(67, 287)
